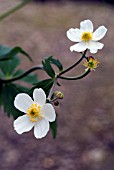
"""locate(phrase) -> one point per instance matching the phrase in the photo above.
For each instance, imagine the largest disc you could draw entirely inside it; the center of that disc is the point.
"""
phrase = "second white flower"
(86, 38)
(38, 113)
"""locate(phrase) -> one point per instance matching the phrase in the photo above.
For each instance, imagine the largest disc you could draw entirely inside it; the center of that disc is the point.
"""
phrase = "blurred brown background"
(85, 139)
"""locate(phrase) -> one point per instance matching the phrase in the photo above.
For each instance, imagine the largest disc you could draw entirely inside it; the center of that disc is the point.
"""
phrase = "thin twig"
(52, 89)
(75, 78)
(14, 9)
(74, 65)
(22, 75)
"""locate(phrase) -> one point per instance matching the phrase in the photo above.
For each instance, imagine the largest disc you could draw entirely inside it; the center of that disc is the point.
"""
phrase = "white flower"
(38, 113)
(86, 38)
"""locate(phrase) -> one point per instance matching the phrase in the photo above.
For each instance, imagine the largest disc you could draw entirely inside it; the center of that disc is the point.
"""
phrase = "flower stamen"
(86, 36)
(91, 63)
(34, 112)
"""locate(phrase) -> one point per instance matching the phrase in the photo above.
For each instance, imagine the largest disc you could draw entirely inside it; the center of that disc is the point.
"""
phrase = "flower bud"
(59, 95)
(56, 103)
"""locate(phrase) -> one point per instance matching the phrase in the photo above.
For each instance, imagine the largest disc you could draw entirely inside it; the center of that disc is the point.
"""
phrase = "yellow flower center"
(34, 112)
(86, 36)
(91, 63)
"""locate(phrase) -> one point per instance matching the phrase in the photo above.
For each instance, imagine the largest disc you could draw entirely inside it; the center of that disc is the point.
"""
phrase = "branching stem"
(74, 65)
(68, 78)
(52, 89)
(22, 75)
(75, 78)
(14, 9)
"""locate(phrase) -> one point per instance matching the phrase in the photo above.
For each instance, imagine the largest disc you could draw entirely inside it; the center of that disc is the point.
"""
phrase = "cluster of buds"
(58, 95)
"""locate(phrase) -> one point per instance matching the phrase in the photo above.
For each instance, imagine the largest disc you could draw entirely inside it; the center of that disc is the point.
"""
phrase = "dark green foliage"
(57, 63)
(53, 126)
(9, 61)
(30, 78)
(8, 67)
(8, 93)
(48, 68)
(7, 53)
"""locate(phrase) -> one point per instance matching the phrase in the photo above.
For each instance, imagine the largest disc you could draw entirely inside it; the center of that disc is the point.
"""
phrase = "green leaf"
(1, 74)
(11, 53)
(47, 66)
(1, 87)
(8, 93)
(9, 66)
(30, 78)
(4, 50)
(57, 63)
(44, 84)
(53, 126)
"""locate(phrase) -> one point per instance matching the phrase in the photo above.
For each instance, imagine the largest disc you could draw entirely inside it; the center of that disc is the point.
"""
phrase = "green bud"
(59, 95)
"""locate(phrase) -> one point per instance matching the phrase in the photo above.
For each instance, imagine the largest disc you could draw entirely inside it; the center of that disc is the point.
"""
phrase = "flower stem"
(52, 89)
(75, 78)
(68, 78)
(74, 65)
(14, 9)
(22, 75)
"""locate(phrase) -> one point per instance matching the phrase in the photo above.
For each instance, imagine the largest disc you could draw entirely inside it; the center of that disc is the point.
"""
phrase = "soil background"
(85, 139)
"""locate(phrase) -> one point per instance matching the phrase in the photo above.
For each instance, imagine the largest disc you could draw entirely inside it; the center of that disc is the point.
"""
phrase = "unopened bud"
(59, 95)
(56, 103)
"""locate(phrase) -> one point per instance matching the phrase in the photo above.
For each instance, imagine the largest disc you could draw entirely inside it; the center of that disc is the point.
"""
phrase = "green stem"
(14, 9)
(22, 75)
(52, 89)
(75, 64)
(75, 78)
(68, 78)
(51, 101)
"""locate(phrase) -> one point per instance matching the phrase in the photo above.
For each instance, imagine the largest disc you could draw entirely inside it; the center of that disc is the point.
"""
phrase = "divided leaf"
(8, 93)
(48, 68)
(57, 63)
(9, 60)
(9, 66)
(7, 53)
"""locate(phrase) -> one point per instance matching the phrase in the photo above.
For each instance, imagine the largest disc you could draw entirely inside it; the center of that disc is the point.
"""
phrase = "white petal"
(23, 124)
(86, 25)
(22, 102)
(74, 34)
(48, 112)
(39, 96)
(94, 46)
(93, 51)
(41, 128)
(79, 47)
(99, 33)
